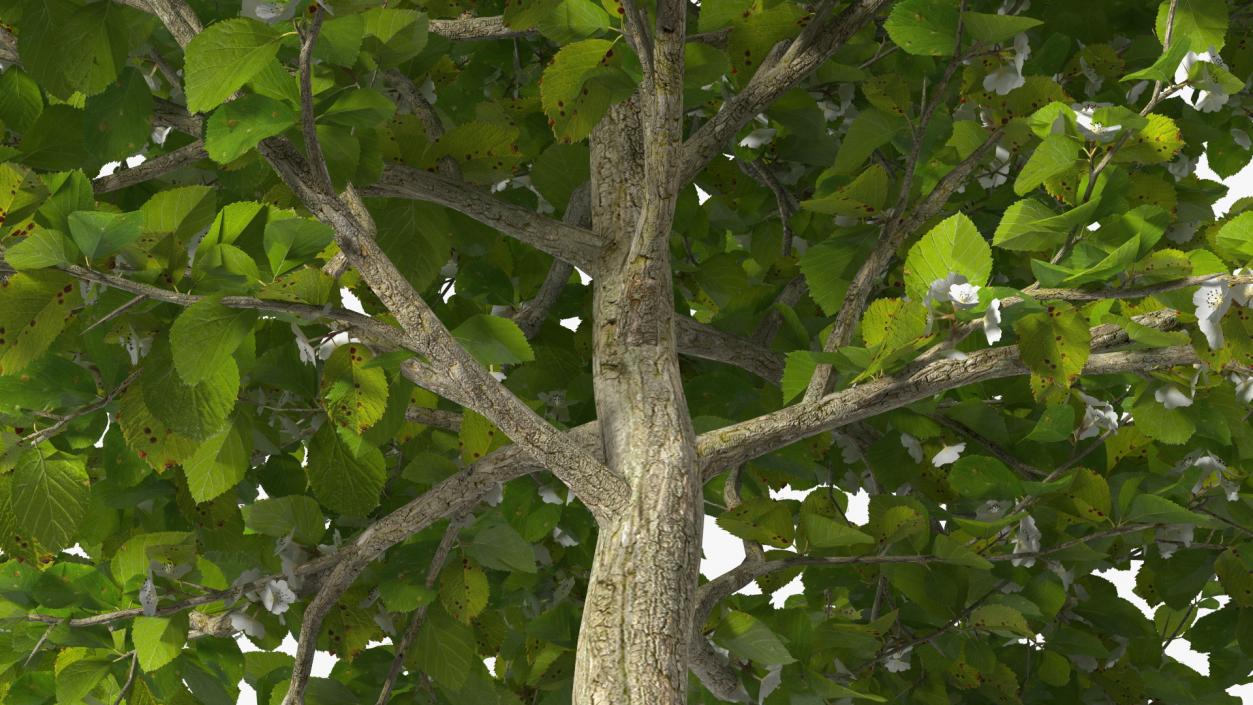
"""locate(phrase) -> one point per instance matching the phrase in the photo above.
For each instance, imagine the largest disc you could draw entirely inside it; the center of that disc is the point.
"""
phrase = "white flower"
(1098, 416)
(268, 11)
(1212, 299)
(1244, 386)
(758, 138)
(1027, 540)
(898, 661)
(1172, 397)
(1204, 92)
(1091, 129)
(1008, 76)
(1170, 537)
(992, 322)
(308, 354)
(1094, 80)
(1242, 293)
(1182, 166)
(964, 295)
(1000, 169)
(1241, 138)
(276, 597)
(1136, 91)
(1215, 474)
(948, 454)
(148, 597)
(913, 446)
(241, 622)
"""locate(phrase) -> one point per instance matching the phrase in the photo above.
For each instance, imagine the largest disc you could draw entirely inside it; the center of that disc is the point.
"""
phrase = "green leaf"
(345, 472)
(1164, 68)
(745, 636)
(235, 128)
(1152, 509)
(20, 99)
(1089, 496)
(225, 56)
(1235, 237)
(76, 678)
(217, 465)
(924, 27)
(362, 108)
(196, 411)
(99, 235)
(862, 197)
(70, 47)
(182, 212)
(279, 516)
(34, 307)
(393, 36)
(980, 476)
(339, 42)
(1147, 335)
(463, 590)
(1000, 618)
(1056, 155)
(205, 336)
(988, 27)
(890, 327)
(494, 340)
(871, 129)
(828, 268)
(119, 120)
(501, 547)
(1056, 423)
(799, 369)
(1029, 225)
(951, 550)
(578, 86)
(354, 395)
(445, 650)
(953, 246)
(1054, 345)
(763, 520)
(484, 151)
(158, 640)
(50, 497)
(41, 249)
(825, 532)
(290, 242)
(131, 561)
(1199, 24)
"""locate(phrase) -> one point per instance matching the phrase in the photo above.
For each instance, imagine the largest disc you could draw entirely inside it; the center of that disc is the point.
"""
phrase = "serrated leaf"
(345, 472)
(862, 197)
(954, 245)
(1197, 23)
(1089, 496)
(34, 307)
(99, 234)
(290, 242)
(205, 335)
(68, 47)
(484, 151)
(924, 27)
(494, 340)
(41, 249)
(1054, 345)
(354, 395)
(763, 520)
(80, 673)
(981, 476)
(578, 86)
(235, 128)
(217, 465)
(463, 590)
(745, 636)
(951, 550)
(825, 532)
(445, 650)
(1055, 155)
(50, 493)
(1152, 509)
(889, 327)
(1000, 618)
(798, 369)
(225, 56)
(501, 547)
(870, 130)
(1029, 225)
(988, 27)
(279, 516)
(158, 640)
(196, 411)
(119, 120)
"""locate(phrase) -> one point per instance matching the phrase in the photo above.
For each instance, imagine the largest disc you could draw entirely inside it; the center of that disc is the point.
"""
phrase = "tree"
(301, 370)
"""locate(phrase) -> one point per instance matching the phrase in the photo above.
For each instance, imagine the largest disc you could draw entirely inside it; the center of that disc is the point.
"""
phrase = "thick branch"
(477, 28)
(746, 440)
(562, 240)
(708, 343)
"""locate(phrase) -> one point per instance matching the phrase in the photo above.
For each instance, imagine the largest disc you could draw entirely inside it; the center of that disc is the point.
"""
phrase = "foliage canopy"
(955, 255)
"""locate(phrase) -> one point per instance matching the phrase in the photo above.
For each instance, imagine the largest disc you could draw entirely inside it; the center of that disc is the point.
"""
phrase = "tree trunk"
(633, 644)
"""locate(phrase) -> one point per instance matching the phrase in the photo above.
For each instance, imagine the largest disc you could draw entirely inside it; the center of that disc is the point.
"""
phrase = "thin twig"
(130, 679)
(42, 435)
(308, 122)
